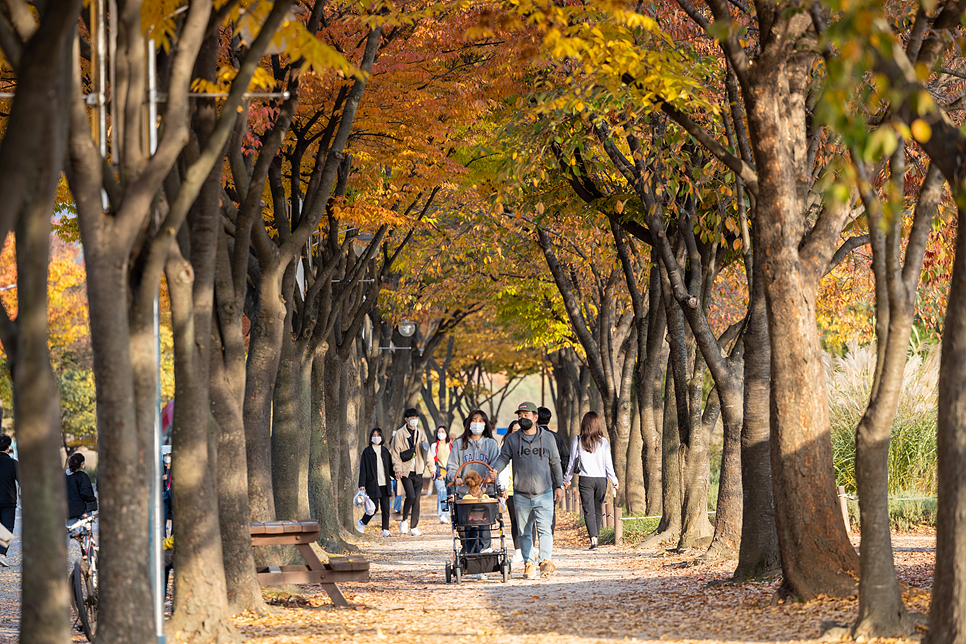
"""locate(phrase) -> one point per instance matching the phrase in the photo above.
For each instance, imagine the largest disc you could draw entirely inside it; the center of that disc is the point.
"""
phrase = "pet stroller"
(468, 517)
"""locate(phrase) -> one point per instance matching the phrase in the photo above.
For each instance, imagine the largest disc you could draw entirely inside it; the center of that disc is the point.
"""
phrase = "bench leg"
(316, 564)
(335, 595)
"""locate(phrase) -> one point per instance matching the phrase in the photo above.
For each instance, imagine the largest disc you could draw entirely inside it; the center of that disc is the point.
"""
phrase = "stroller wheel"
(505, 569)
(458, 573)
(449, 573)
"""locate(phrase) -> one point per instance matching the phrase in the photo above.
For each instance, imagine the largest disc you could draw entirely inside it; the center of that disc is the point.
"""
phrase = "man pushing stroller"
(537, 486)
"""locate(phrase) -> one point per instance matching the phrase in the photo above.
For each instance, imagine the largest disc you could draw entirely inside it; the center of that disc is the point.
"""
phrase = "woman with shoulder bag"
(80, 491)
(592, 450)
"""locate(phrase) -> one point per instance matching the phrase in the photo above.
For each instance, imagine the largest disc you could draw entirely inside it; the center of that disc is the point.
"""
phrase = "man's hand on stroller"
(490, 475)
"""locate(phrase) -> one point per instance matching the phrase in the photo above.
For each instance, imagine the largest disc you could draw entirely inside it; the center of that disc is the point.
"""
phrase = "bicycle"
(83, 577)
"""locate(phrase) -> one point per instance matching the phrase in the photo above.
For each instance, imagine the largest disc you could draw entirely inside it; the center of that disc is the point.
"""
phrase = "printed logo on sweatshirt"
(535, 451)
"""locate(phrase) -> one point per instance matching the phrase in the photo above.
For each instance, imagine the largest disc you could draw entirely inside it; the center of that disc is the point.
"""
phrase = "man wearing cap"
(537, 485)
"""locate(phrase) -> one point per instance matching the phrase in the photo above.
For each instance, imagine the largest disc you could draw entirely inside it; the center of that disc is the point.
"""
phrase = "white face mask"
(413, 422)
(441, 435)
(376, 440)
(167, 460)
(477, 428)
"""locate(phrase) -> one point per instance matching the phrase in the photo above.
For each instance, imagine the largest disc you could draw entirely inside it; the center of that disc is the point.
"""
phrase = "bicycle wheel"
(84, 600)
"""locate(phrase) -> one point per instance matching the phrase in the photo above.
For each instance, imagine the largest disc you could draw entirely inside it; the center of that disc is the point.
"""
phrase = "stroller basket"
(476, 511)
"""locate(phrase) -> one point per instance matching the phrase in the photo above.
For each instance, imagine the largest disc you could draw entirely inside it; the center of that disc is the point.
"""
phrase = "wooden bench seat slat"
(274, 527)
(257, 528)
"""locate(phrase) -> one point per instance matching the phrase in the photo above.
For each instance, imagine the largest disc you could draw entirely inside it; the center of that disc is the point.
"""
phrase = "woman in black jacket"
(375, 473)
(80, 492)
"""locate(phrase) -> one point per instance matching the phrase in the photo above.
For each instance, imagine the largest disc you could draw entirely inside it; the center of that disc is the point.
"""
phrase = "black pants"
(413, 485)
(383, 502)
(593, 489)
(8, 517)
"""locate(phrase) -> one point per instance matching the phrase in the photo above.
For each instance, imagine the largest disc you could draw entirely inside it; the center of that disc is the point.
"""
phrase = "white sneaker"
(386, 533)
(443, 519)
(486, 551)
(517, 556)
(4, 562)
(404, 527)
(415, 532)
(360, 526)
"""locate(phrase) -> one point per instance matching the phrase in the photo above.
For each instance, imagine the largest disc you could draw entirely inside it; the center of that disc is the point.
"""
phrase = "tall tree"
(38, 48)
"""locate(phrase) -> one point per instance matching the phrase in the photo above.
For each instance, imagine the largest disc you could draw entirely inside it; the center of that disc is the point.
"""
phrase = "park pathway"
(613, 594)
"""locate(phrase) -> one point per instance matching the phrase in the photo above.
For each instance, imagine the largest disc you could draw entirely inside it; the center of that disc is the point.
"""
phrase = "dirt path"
(611, 594)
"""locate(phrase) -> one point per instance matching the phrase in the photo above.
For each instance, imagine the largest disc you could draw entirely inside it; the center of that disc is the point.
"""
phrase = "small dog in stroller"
(476, 520)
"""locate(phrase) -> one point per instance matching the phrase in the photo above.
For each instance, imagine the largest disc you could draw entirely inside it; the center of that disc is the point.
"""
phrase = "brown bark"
(758, 554)
(947, 613)
(881, 610)
(227, 393)
(31, 157)
(200, 598)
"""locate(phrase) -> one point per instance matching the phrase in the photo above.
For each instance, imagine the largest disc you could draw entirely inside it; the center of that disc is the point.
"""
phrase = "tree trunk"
(758, 554)
(669, 528)
(286, 434)
(261, 371)
(817, 557)
(881, 611)
(227, 391)
(37, 419)
(200, 597)
(323, 493)
(947, 614)
(31, 158)
(650, 387)
(728, 513)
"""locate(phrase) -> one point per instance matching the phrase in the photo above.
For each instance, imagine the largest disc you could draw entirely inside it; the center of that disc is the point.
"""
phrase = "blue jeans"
(537, 509)
(477, 539)
(440, 497)
(396, 500)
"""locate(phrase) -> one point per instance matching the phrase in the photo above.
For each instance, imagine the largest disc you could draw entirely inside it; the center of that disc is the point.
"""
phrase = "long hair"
(467, 434)
(591, 432)
(447, 440)
(75, 462)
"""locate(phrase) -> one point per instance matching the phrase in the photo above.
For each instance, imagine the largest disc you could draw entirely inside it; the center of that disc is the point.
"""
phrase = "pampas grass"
(912, 449)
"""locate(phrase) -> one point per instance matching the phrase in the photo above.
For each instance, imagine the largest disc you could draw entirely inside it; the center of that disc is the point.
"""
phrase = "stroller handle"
(486, 465)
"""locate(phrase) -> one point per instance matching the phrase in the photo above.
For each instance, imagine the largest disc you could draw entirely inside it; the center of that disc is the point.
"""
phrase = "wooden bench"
(301, 534)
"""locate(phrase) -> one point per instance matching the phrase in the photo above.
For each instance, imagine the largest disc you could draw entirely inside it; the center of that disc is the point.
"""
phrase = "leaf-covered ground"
(615, 593)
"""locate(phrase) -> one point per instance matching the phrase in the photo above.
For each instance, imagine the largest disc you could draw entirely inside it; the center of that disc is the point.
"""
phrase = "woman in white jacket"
(592, 450)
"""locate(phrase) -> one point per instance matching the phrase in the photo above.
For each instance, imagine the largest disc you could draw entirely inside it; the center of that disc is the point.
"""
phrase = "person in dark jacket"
(375, 474)
(80, 492)
(9, 477)
(543, 420)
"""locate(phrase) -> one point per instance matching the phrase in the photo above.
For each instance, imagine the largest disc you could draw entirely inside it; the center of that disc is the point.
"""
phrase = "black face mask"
(525, 424)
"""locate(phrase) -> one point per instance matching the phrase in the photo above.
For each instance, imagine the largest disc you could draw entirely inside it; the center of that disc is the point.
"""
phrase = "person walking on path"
(9, 478)
(409, 451)
(590, 455)
(375, 474)
(506, 484)
(475, 444)
(439, 453)
(537, 486)
(80, 492)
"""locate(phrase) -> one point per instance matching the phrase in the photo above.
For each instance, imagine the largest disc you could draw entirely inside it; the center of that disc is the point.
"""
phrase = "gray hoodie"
(536, 462)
